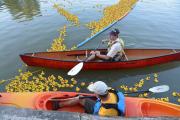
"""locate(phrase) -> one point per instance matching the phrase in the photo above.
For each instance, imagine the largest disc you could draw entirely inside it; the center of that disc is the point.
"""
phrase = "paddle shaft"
(72, 98)
(125, 55)
(88, 39)
(83, 97)
(156, 89)
(144, 91)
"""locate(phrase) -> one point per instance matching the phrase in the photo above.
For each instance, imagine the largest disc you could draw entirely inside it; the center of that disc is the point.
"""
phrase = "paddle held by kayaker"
(115, 50)
(109, 102)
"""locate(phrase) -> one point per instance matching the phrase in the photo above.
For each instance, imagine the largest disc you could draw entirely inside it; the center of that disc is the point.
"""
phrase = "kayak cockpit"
(50, 102)
(75, 108)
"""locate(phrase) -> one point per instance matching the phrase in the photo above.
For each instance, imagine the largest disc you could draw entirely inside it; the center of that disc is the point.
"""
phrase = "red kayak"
(68, 59)
(135, 107)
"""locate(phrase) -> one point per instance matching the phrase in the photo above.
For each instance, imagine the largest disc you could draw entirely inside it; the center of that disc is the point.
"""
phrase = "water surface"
(31, 26)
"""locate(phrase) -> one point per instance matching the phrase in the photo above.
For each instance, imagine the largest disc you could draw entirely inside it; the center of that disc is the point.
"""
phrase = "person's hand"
(80, 96)
(98, 53)
(77, 98)
(92, 52)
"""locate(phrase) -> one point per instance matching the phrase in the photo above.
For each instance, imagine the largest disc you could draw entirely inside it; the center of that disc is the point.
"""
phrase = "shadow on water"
(114, 75)
(116, 78)
(109, 75)
(22, 9)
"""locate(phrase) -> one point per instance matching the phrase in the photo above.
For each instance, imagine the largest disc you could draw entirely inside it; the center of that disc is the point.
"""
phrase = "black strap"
(108, 105)
(114, 106)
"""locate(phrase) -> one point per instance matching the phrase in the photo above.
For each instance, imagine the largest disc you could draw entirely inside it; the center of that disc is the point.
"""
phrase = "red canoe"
(135, 107)
(68, 59)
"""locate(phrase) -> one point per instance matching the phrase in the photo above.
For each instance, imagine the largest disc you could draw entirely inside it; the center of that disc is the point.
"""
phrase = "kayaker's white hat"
(98, 87)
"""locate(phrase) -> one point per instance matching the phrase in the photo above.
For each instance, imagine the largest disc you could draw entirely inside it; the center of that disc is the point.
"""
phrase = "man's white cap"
(98, 87)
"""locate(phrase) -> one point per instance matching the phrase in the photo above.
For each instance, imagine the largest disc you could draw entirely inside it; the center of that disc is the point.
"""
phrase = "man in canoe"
(109, 102)
(115, 49)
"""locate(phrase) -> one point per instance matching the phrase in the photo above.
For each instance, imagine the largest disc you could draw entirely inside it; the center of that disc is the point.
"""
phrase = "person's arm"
(104, 57)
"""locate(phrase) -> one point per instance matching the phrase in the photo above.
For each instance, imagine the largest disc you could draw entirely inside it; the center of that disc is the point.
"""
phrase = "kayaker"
(115, 49)
(109, 103)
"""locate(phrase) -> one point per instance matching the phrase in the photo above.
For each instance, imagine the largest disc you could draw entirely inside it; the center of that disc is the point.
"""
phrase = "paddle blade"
(76, 69)
(159, 89)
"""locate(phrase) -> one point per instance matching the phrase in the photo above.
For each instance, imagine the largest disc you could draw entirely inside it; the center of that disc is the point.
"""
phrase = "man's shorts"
(89, 105)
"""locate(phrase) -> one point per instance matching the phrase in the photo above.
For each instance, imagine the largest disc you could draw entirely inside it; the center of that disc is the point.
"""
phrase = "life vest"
(119, 56)
(117, 40)
(110, 109)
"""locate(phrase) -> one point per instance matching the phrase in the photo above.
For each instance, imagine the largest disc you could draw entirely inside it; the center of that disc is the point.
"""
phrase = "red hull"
(137, 60)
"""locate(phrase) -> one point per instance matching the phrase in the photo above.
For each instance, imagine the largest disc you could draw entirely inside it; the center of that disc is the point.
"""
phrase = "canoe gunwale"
(170, 54)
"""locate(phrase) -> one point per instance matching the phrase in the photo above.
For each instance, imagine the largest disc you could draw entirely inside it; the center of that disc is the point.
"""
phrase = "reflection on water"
(1, 4)
(22, 9)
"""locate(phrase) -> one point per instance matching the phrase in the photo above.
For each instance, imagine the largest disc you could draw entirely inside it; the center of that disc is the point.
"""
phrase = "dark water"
(31, 25)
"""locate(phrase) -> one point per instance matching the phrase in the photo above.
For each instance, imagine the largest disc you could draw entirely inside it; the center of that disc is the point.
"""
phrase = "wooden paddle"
(76, 69)
(156, 89)
(125, 55)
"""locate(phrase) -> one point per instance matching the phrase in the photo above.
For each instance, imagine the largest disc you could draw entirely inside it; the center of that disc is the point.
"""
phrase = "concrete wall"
(11, 113)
